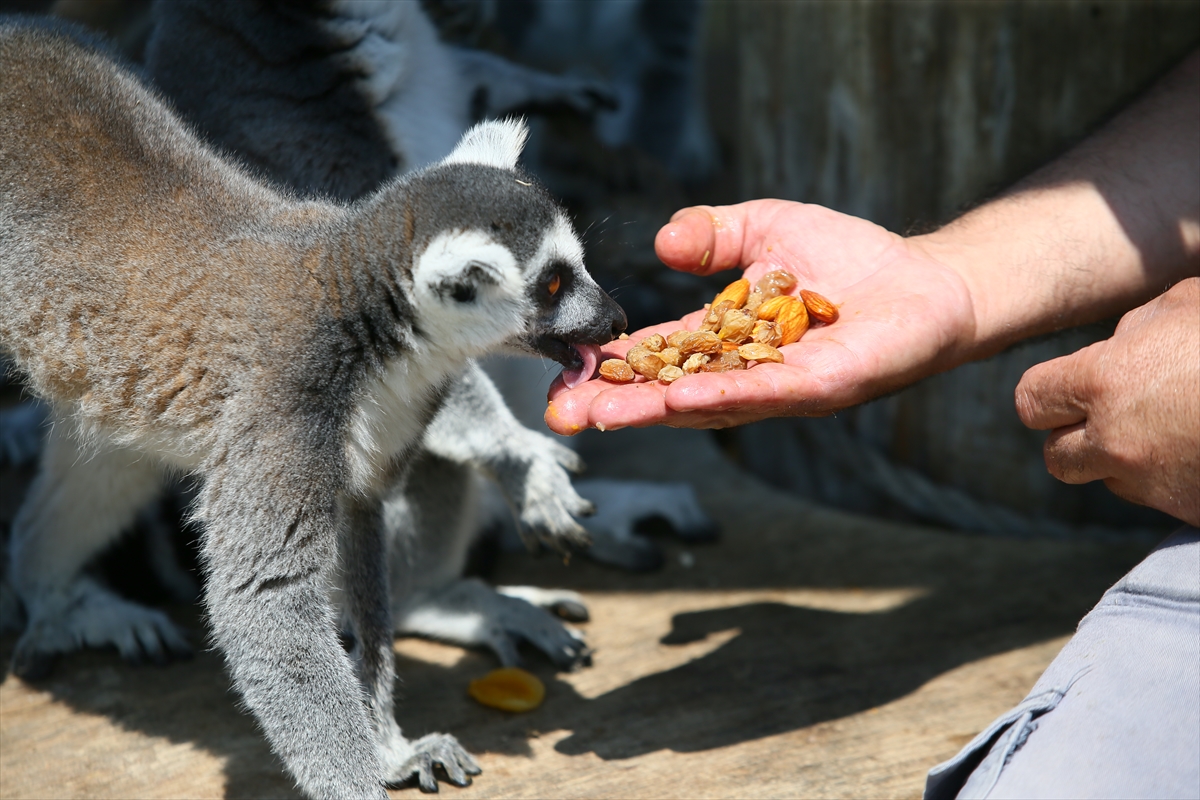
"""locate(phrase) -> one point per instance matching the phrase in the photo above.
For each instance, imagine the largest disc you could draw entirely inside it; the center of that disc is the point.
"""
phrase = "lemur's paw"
(471, 613)
(561, 602)
(89, 615)
(546, 499)
(428, 753)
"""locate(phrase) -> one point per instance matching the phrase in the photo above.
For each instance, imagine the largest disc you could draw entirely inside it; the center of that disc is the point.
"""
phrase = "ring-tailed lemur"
(179, 314)
(255, 77)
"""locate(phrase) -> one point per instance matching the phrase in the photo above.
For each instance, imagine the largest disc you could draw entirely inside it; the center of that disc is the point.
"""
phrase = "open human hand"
(1127, 410)
(902, 315)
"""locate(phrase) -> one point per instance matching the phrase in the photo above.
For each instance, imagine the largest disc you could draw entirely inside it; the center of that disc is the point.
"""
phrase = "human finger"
(1074, 457)
(703, 239)
(1054, 394)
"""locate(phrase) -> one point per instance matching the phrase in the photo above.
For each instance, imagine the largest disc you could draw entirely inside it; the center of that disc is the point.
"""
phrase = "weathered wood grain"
(808, 653)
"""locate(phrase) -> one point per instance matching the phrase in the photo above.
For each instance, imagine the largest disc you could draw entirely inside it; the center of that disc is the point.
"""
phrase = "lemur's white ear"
(495, 143)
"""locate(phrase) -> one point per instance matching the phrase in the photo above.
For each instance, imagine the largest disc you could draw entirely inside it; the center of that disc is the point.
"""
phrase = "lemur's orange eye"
(555, 282)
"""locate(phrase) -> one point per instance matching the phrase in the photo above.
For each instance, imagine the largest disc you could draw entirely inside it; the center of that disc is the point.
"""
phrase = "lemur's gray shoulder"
(276, 84)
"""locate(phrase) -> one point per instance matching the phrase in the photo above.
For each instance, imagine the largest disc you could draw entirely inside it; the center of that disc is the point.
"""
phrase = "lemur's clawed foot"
(420, 759)
(89, 615)
(471, 613)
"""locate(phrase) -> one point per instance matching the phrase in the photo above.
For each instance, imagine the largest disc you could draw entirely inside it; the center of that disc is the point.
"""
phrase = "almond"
(736, 293)
(818, 307)
(616, 370)
(770, 309)
(792, 321)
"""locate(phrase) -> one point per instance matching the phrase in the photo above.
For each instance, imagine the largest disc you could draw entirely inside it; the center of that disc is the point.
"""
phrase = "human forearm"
(1100, 230)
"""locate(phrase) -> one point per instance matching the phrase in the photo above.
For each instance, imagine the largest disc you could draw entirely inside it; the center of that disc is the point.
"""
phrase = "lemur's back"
(133, 257)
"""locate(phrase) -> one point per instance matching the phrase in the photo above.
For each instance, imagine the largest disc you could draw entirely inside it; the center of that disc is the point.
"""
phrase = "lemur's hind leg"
(366, 597)
(431, 524)
(80, 501)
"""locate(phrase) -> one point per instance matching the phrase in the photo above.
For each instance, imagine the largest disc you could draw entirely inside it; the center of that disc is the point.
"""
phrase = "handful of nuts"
(742, 326)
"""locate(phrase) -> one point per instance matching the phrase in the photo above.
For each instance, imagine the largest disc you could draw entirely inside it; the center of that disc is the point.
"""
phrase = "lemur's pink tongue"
(590, 354)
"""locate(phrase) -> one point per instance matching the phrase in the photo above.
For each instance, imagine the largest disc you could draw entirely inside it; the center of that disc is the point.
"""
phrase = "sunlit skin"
(1109, 226)
(903, 315)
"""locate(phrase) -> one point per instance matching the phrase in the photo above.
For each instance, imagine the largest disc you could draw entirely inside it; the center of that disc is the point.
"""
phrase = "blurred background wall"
(907, 113)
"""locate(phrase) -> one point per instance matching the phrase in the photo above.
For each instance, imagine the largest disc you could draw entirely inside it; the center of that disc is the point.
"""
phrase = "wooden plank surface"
(809, 653)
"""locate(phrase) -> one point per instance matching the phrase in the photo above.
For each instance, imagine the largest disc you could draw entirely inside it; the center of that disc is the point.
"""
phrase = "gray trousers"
(1117, 713)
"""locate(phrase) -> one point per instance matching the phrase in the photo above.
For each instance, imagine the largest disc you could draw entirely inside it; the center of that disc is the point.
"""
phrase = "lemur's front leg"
(366, 596)
(271, 504)
(475, 427)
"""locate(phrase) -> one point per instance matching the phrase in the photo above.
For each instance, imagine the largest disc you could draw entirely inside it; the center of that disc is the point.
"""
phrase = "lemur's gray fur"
(177, 313)
(335, 98)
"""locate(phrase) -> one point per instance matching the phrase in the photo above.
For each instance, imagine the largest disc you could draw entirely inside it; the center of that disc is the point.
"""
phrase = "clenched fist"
(1127, 410)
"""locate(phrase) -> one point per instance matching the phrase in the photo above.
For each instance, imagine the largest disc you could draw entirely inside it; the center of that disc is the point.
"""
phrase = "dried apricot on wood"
(508, 689)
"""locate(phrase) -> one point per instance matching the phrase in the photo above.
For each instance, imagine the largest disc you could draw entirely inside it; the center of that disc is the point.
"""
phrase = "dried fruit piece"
(770, 309)
(616, 370)
(818, 307)
(736, 293)
(508, 689)
(760, 352)
(700, 342)
(755, 300)
(644, 362)
(670, 374)
(775, 283)
(695, 363)
(675, 338)
(766, 333)
(792, 321)
(727, 346)
(726, 363)
(712, 320)
(671, 356)
(653, 343)
(736, 326)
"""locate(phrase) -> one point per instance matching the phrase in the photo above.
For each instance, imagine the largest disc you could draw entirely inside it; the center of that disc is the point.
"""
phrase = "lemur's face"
(498, 265)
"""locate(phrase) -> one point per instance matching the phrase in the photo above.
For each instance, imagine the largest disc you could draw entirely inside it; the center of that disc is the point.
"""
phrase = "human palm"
(903, 315)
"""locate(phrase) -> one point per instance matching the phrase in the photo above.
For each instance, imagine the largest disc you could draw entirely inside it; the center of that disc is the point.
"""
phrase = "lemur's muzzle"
(577, 348)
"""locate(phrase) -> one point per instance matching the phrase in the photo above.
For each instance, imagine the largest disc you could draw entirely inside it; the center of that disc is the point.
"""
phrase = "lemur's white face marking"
(469, 292)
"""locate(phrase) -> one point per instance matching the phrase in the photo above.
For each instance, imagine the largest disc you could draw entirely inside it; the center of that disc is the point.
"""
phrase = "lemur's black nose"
(617, 314)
